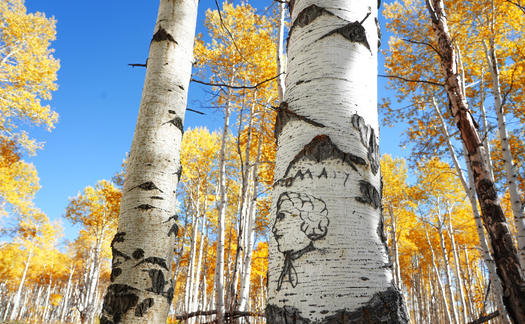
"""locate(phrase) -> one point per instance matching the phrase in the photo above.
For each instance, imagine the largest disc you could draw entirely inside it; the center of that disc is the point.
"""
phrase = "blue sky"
(99, 94)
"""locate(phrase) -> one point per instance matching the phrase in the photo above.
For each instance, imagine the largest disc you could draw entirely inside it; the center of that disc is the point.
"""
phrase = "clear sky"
(99, 94)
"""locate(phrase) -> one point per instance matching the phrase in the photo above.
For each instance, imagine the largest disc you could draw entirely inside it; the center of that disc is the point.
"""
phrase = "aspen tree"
(328, 258)
(141, 288)
(504, 251)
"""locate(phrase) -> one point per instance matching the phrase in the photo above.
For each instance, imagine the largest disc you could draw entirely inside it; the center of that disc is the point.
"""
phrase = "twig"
(234, 87)
(231, 36)
(138, 64)
(485, 318)
(408, 80)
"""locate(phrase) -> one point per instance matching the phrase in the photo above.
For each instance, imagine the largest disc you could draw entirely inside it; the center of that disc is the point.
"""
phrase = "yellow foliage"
(27, 72)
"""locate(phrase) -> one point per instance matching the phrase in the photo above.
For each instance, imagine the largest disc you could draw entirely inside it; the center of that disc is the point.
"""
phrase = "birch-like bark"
(195, 294)
(446, 262)
(141, 288)
(281, 87)
(66, 295)
(440, 283)
(328, 259)
(459, 280)
(16, 301)
(250, 233)
(510, 169)
(504, 251)
(471, 194)
(221, 221)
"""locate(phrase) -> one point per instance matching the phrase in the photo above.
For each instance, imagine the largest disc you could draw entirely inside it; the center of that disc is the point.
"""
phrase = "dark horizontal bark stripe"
(384, 307)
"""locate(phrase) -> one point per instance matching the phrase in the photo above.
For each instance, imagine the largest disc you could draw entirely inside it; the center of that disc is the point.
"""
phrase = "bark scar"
(162, 34)
(285, 115)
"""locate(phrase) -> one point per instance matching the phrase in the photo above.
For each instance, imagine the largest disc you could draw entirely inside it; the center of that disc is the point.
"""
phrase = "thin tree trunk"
(16, 302)
(221, 222)
(459, 280)
(250, 231)
(440, 284)
(446, 262)
(504, 251)
(66, 295)
(510, 168)
(141, 288)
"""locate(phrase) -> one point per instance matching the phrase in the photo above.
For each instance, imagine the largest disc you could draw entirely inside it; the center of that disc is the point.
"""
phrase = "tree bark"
(504, 251)
(328, 258)
(510, 169)
(141, 288)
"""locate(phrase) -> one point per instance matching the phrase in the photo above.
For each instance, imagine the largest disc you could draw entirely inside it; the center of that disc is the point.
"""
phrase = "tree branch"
(485, 318)
(422, 43)
(235, 313)
(408, 80)
(234, 87)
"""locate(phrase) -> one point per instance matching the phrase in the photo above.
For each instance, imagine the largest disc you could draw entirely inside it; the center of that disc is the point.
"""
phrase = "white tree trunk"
(281, 87)
(440, 283)
(221, 221)
(328, 256)
(141, 288)
(250, 233)
(66, 295)
(446, 262)
(16, 302)
(459, 280)
(510, 169)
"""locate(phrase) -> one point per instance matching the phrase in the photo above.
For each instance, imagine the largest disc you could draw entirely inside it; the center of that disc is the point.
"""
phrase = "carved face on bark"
(300, 219)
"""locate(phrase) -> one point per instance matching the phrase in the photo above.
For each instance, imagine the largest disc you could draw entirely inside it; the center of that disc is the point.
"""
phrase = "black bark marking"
(145, 207)
(322, 148)
(179, 172)
(379, 34)
(157, 197)
(174, 230)
(171, 111)
(181, 87)
(323, 173)
(169, 294)
(154, 260)
(347, 175)
(161, 35)
(384, 307)
(284, 115)
(157, 281)
(118, 300)
(310, 14)
(353, 32)
(142, 308)
(148, 186)
(138, 254)
(119, 238)
(370, 194)
(373, 153)
(177, 122)
(368, 139)
(115, 272)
